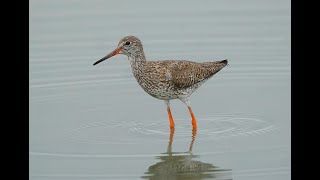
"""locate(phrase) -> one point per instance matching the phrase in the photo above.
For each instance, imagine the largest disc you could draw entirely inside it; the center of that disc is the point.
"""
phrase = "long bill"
(113, 53)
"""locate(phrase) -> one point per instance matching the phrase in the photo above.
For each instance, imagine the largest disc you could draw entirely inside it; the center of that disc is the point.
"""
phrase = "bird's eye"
(127, 43)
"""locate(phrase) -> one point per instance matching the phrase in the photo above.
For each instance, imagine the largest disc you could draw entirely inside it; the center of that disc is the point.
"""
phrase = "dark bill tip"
(98, 61)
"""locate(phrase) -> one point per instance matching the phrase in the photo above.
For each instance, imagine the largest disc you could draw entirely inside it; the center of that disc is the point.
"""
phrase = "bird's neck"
(137, 63)
(137, 60)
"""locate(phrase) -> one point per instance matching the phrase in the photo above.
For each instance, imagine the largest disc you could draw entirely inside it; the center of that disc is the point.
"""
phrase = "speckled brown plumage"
(166, 79)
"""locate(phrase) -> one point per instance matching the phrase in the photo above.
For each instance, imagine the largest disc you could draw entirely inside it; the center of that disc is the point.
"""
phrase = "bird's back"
(184, 74)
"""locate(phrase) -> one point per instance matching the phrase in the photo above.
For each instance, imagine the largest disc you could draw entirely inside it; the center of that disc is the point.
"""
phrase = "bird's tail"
(225, 62)
(221, 64)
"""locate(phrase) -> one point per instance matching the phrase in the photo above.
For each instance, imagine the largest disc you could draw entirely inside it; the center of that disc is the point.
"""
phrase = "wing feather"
(186, 73)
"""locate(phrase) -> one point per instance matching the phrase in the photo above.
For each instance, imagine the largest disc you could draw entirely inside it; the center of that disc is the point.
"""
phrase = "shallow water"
(95, 122)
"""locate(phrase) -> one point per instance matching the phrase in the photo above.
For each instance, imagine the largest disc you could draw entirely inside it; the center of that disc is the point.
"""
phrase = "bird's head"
(129, 45)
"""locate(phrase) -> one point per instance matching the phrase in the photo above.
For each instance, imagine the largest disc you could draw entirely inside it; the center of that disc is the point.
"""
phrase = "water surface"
(95, 122)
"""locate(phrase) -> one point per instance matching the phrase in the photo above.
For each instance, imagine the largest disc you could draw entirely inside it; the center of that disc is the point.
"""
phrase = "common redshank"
(167, 79)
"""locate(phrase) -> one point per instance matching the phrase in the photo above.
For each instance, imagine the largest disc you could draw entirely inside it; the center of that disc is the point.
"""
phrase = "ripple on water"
(210, 127)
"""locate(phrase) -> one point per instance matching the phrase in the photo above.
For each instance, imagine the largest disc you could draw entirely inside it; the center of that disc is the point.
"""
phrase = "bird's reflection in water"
(180, 165)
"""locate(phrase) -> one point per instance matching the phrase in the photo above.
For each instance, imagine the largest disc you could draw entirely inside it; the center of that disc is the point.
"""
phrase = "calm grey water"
(95, 122)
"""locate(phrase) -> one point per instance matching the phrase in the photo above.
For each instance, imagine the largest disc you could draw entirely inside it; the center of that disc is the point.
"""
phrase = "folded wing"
(186, 73)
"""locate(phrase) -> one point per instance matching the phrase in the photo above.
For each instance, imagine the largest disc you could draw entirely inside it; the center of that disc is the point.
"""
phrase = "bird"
(166, 79)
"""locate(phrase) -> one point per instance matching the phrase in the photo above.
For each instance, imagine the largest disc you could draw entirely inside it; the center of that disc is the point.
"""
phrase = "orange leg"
(194, 133)
(194, 121)
(170, 118)
(171, 135)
